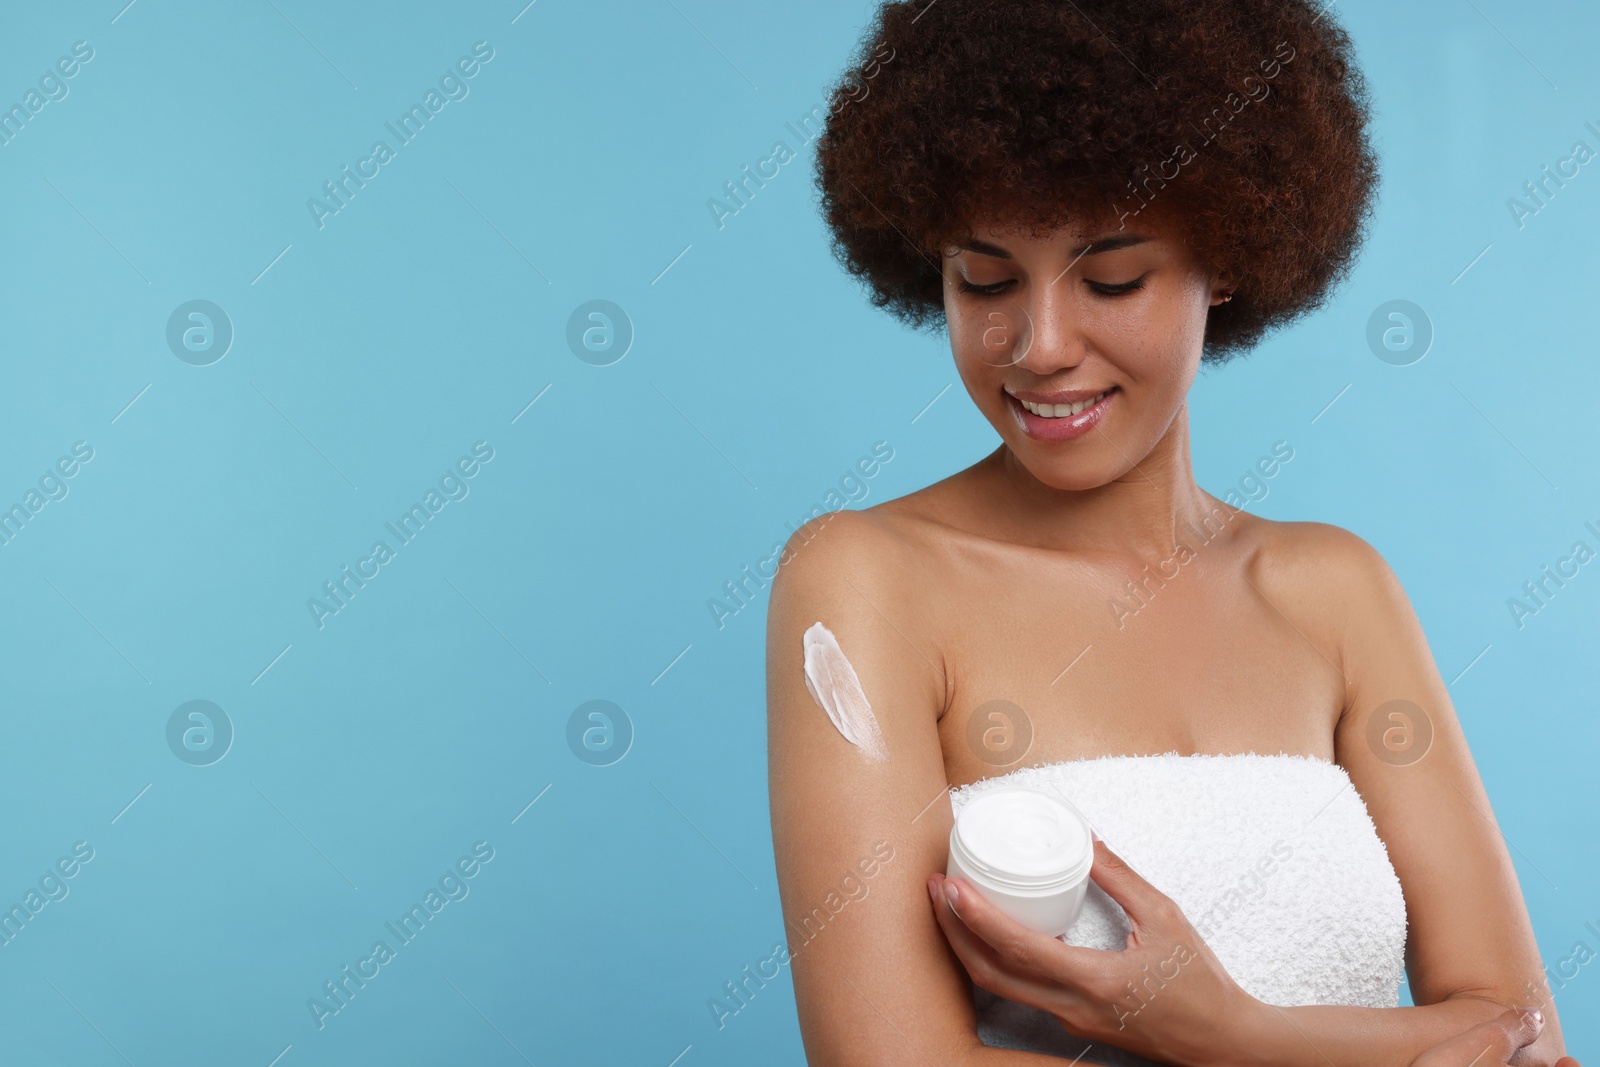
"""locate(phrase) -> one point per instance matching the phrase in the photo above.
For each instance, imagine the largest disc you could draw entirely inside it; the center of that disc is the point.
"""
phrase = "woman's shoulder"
(882, 555)
(1334, 573)
(1316, 550)
(873, 544)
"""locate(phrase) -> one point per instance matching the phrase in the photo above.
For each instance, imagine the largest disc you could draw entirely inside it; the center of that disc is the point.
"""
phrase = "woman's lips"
(1063, 429)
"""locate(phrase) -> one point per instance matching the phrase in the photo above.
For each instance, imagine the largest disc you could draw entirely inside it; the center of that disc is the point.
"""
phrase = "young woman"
(1095, 197)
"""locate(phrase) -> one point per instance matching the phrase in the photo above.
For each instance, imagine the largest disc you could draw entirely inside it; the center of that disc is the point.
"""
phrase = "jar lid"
(1022, 838)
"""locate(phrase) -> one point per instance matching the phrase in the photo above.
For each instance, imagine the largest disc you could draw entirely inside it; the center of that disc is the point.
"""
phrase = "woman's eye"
(1114, 289)
(982, 290)
(1103, 288)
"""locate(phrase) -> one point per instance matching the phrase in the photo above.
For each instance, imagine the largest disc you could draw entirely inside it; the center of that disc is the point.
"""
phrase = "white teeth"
(1061, 411)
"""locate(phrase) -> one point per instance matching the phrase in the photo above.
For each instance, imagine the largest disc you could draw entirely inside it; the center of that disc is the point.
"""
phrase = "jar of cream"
(1028, 853)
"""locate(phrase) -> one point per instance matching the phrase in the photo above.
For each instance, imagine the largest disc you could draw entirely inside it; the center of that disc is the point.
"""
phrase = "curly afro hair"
(1243, 125)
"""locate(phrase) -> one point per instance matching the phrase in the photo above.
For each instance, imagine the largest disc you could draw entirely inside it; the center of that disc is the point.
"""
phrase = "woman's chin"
(1073, 473)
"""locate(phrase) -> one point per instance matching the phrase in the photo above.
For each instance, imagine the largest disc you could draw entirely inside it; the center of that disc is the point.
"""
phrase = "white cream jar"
(1028, 853)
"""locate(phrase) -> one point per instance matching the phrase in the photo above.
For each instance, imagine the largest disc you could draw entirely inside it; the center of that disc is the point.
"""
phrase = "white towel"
(1274, 859)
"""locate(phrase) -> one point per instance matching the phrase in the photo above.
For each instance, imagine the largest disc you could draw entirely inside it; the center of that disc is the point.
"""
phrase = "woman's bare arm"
(1470, 951)
(876, 984)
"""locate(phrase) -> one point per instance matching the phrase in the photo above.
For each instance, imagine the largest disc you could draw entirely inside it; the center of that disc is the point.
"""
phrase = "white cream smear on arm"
(835, 687)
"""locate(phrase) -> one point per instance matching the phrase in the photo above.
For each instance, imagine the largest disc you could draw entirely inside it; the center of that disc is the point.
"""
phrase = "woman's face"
(1054, 322)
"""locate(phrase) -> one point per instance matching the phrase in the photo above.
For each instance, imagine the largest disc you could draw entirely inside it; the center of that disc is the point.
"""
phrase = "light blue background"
(429, 312)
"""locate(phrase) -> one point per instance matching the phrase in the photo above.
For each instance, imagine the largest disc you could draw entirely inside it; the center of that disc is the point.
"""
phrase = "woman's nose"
(1053, 332)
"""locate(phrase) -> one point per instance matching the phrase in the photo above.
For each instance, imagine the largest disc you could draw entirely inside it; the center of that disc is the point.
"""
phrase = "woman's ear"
(1222, 286)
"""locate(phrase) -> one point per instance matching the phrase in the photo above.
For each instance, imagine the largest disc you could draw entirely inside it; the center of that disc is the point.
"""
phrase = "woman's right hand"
(1499, 1038)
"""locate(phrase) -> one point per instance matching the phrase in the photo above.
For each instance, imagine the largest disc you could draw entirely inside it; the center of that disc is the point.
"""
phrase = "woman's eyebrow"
(1111, 244)
(1106, 244)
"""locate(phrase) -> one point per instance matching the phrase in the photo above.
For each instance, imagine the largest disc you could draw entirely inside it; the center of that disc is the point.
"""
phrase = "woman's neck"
(1145, 511)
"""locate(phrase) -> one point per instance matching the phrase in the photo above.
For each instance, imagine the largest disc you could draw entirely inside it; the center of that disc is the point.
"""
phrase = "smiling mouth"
(1063, 411)
(1061, 422)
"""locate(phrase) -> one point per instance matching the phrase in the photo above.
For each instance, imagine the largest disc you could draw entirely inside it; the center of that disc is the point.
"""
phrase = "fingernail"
(951, 893)
(933, 890)
(1534, 1015)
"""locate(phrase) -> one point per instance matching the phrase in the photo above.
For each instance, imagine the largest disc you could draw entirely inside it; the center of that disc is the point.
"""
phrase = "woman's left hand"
(1165, 996)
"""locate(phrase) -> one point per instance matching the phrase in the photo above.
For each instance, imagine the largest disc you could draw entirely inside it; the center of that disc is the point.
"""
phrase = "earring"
(1227, 296)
